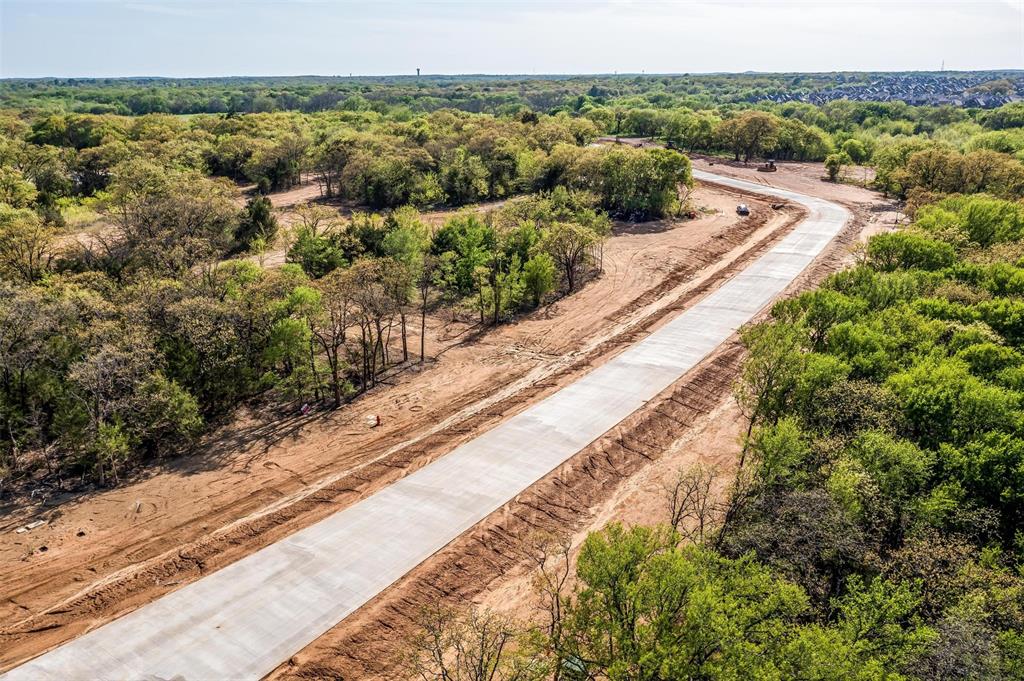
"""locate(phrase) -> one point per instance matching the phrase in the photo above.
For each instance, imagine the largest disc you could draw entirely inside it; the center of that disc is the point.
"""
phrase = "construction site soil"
(261, 477)
(620, 477)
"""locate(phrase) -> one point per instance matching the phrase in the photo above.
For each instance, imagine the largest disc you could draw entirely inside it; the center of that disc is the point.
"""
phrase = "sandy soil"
(711, 439)
(810, 178)
(620, 477)
(487, 565)
(89, 235)
(265, 475)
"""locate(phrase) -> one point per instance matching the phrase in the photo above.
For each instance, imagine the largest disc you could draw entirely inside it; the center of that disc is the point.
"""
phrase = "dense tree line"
(477, 94)
(120, 344)
(119, 350)
(481, 94)
(886, 419)
(916, 150)
(390, 155)
(446, 158)
(925, 171)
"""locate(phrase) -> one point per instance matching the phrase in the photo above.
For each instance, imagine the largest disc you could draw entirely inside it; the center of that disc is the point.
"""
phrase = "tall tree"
(26, 245)
(331, 323)
(569, 244)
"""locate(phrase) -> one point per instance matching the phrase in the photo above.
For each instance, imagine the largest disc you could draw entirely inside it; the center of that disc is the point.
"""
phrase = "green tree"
(750, 133)
(407, 242)
(769, 377)
(905, 250)
(539, 276)
(168, 220)
(569, 245)
(648, 609)
(464, 178)
(330, 321)
(855, 150)
(880, 618)
(317, 254)
(26, 245)
(834, 165)
(256, 222)
(634, 184)
(15, 190)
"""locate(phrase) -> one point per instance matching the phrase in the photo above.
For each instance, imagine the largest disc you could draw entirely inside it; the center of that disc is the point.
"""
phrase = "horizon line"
(552, 74)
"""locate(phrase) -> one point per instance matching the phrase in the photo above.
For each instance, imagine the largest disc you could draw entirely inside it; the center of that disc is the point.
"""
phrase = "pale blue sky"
(106, 38)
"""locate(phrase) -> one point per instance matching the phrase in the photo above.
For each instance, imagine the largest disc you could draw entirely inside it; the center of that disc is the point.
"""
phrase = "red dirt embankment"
(259, 479)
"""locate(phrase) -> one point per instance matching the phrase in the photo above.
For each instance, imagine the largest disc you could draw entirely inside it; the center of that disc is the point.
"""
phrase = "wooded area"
(873, 529)
(119, 346)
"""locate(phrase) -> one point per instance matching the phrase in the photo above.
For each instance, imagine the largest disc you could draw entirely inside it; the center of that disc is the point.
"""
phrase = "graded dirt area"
(714, 438)
(872, 209)
(263, 476)
(620, 477)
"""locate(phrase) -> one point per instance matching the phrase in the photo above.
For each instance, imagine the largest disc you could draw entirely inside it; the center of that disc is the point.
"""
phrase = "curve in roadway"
(244, 620)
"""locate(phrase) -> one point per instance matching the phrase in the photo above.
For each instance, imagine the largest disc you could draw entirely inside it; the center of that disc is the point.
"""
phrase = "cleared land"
(562, 424)
(621, 476)
(265, 476)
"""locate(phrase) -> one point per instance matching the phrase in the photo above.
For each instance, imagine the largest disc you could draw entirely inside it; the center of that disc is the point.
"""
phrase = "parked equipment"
(742, 209)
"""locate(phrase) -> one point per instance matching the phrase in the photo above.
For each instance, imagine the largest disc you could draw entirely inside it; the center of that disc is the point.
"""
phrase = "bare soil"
(875, 211)
(620, 477)
(715, 439)
(263, 475)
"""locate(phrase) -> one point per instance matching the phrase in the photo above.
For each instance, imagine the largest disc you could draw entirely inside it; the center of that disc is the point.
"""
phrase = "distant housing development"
(982, 90)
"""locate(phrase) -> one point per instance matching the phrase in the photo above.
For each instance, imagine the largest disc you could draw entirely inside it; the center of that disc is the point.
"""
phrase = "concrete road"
(244, 620)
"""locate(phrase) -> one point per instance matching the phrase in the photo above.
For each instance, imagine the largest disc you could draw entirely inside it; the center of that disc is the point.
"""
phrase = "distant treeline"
(474, 93)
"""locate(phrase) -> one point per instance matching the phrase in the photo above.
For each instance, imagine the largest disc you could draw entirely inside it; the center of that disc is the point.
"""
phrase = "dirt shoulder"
(262, 477)
(619, 477)
(875, 211)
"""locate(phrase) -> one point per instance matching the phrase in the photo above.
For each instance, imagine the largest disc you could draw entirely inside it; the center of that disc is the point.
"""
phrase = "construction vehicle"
(742, 209)
(768, 167)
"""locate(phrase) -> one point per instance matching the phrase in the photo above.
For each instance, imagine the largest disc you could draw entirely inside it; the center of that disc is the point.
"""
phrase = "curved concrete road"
(244, 620)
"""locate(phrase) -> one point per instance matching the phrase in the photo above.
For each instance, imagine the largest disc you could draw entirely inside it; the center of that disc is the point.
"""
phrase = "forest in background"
(163, 190)
(500, 94)
(873, 528)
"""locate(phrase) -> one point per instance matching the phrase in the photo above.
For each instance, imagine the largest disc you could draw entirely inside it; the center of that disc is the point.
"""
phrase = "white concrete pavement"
(244, 620)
